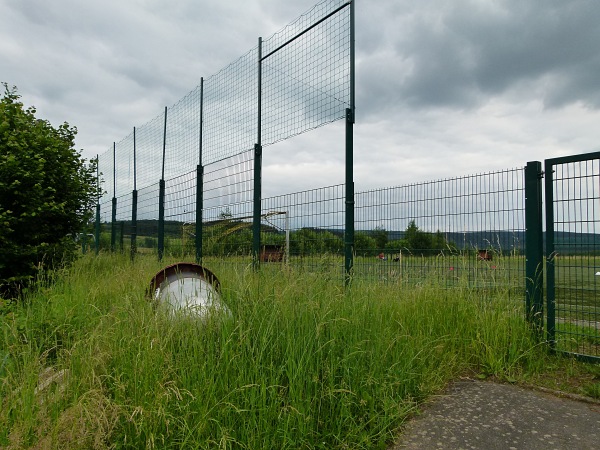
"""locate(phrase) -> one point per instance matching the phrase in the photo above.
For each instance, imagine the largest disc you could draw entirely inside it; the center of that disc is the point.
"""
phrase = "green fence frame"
(572, 191)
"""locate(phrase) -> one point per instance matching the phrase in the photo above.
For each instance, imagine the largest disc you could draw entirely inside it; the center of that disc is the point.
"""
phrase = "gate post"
(534, 245)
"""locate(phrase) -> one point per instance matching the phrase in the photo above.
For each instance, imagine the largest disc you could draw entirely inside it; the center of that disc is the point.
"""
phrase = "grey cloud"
(457, 55)
(442, 87)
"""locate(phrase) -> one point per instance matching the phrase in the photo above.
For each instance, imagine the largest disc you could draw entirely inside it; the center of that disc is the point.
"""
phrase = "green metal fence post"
(200, 181)
(534, 245)
(199, 208)
(134, 198)
(349, 225)
(350, 119)
(550, 278)
(161, 220)
(257, 170)
(113, 220)
(161, 198)
(257, 207)
(134, 201)
(113, 226)
(97, 230)
(97, 224)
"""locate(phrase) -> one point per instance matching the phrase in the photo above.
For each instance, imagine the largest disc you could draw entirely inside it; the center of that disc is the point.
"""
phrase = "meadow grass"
(301, 362)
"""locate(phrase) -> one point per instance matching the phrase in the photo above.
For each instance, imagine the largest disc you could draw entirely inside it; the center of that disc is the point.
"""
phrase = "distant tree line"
(228, 236)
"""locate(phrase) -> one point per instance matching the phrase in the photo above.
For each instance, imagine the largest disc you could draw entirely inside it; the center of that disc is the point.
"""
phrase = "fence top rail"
(573, 158)
(306, 30)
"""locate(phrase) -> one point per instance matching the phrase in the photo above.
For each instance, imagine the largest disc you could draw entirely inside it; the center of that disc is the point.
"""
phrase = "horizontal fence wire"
(461, 229)
(577, 256)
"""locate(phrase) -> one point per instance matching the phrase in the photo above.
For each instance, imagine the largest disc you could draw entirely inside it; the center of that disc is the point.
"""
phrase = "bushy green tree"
(380, 235)
(306, 241)
(423, 243)
(47, 191)
(365, 245)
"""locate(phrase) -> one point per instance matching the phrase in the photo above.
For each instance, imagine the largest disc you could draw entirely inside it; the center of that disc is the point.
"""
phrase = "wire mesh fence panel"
(182, 140)
(296, 80)
(229, 182)
(123, 223)
(306, 84)
(230, 110)
(105, 224)
(149, 151)
(228, 206)
(124, 166)
(466, 229)
(180, 215)
(106, 175)
(305, 229)
(574, 253)
(306, 72)
(147, 219)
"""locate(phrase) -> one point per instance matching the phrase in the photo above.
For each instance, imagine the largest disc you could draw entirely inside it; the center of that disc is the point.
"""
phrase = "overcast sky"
(444, 88)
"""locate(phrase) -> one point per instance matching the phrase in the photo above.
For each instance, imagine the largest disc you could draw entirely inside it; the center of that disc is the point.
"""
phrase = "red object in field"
(484, 255)
(271, 253)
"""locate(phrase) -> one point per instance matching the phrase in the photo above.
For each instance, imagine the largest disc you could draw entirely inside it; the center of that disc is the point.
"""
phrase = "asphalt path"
(486, 415)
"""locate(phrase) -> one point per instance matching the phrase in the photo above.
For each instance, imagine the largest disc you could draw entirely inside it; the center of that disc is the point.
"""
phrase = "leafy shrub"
(46, 194)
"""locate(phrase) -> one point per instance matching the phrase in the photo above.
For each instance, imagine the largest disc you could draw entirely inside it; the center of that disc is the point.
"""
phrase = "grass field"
(301, 362)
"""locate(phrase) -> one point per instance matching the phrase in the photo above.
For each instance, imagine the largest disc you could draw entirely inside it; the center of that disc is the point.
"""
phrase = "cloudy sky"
(444, 88)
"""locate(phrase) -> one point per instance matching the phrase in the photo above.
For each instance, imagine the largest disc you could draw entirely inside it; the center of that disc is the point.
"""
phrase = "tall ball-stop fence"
(203, 156)
(188, 184)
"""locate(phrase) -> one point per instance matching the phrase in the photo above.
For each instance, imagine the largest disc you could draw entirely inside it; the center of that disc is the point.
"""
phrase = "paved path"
(485, 415)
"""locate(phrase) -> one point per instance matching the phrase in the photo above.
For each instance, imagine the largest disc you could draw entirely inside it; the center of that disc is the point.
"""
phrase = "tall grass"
(301, 362)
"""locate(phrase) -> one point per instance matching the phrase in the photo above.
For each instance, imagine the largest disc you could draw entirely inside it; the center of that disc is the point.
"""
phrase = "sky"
(443, 88)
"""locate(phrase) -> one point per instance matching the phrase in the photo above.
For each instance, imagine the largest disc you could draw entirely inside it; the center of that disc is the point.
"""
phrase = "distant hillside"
(173, 228)
(503, 241)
